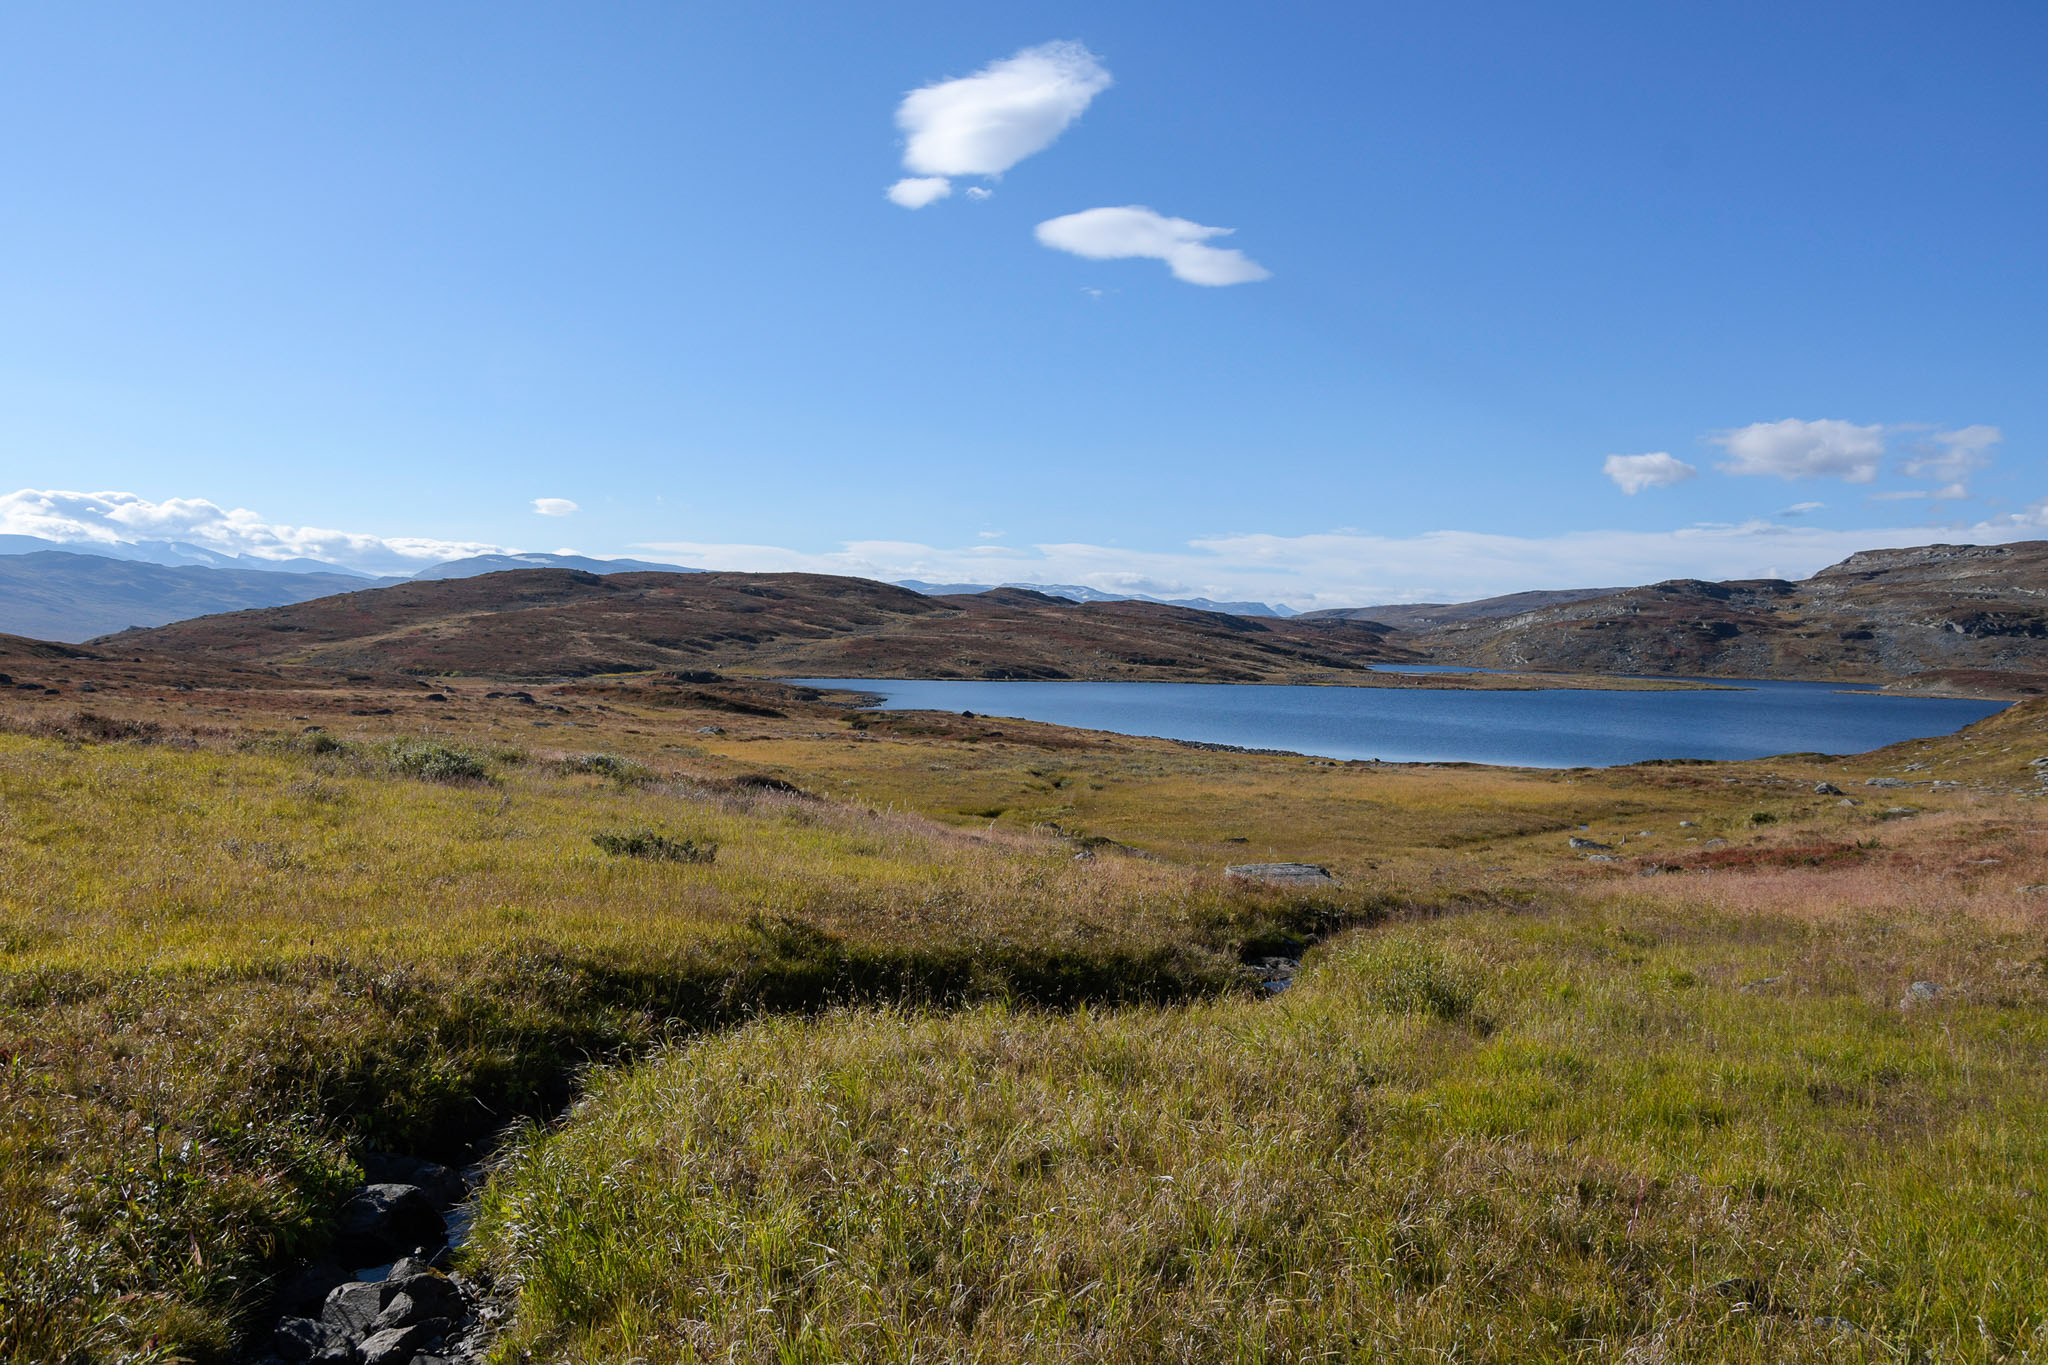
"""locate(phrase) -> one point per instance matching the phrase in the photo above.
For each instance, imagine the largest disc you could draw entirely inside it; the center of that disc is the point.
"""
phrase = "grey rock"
(1848, 801)
(1920, 993)
(1900, 812)
(354, 1308)
(1826, 789)
(316, 1342)
(1715, 843)
(1886, 782)
(422, 1298)
(441, 1184)
(711, 729)
(382, 1222)
(1602, 858)
(1282, 874)
(1688, 824)
(397, 1345)
(2034, 889)
(1592, 844)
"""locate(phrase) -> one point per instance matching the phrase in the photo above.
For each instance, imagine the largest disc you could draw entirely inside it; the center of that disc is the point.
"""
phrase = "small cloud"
(1110, 234)
(986, 123)
(915, 192)
(1800, 509)
(1954, 456)
(1793, 449)
(1899, 495)
(1658, 469)
(554, 507)
(979, 192)
(993, 535)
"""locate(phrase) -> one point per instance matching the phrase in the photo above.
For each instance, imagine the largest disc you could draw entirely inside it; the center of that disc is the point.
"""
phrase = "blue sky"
(396, 271)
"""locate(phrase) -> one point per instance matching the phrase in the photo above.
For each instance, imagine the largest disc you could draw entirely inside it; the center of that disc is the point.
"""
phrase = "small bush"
(643, 843)
(1412, 979)
(1762, 817)
(435, 762)
(624, 771)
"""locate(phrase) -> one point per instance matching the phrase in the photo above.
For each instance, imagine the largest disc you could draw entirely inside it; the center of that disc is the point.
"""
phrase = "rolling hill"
(565, 623)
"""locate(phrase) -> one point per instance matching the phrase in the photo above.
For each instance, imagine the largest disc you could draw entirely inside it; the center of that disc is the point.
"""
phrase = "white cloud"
(1109, 234)
(1953, 456)
(916, 191)
(986, 123)
(114, 519)
(979, 192)
(1793, 449)
(1350, 568)
(1800, 509)
(554, 507)
(1659, 469)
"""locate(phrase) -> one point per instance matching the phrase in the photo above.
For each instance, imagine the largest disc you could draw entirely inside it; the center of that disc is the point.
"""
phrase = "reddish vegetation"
(1762, 856)
(562, 623)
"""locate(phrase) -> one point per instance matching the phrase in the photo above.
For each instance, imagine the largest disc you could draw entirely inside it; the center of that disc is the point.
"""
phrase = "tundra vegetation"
(830, 1036)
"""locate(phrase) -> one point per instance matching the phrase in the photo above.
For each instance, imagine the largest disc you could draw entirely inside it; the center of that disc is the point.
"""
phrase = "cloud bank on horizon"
(1349, 568)
(988, 122)
(1342, 568)
(113, 519)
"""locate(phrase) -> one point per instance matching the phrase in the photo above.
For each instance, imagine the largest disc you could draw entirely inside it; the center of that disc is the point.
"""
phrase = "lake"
(1552, 728)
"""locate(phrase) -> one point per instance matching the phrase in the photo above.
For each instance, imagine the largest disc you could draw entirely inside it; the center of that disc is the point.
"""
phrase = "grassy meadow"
(946, 1047)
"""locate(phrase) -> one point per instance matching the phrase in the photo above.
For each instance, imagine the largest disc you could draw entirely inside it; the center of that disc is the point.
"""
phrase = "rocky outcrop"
(1878, 616)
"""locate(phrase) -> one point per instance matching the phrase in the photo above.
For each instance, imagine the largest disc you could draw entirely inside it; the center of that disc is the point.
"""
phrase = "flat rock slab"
(1282, 874)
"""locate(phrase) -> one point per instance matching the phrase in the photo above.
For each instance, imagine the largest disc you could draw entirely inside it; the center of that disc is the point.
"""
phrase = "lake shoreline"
(1548, 728)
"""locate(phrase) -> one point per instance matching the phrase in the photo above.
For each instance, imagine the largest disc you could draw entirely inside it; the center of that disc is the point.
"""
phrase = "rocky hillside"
(1878, 616)
(563, 623)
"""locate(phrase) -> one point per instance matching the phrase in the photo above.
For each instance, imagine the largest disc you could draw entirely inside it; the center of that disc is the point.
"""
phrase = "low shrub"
(624, 771)
(431, 761)
(644, 843)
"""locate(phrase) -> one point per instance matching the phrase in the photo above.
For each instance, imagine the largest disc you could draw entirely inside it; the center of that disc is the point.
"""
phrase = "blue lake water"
(1554, 728)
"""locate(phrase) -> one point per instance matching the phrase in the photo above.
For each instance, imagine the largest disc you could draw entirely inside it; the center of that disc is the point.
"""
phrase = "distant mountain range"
(481, 564)
(1075, 593)
(56, 595)
(69, 590)
(52, 590)
(176, 554)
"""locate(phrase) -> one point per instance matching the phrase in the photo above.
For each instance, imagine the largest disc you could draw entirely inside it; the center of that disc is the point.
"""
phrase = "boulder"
(398, 1345)
(383, 1222)
(441, 1184)
(1591, 845)
(1826, 789)
(318, 1343)
(421, 1298)
(1282, 874)
(354, 1308)
(1886, 782)
(1920, 993)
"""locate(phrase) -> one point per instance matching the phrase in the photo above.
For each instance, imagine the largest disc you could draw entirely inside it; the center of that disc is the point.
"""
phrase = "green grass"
(1492, 1137)
(228, 960)
(224, 968)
